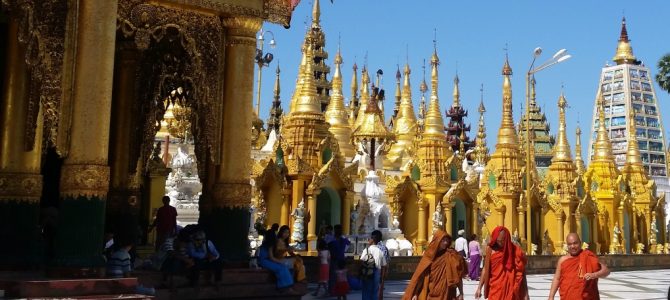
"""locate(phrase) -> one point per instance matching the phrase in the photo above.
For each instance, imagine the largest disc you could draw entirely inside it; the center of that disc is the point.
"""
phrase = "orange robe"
(438, 274)
(503, 283)
(572, 284)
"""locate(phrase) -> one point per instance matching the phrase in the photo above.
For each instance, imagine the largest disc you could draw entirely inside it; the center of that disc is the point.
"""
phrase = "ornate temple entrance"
(328, 207)
(459, 218)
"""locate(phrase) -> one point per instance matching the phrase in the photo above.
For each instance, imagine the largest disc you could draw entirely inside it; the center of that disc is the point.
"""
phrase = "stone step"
(236, 291)
(69, 287)
(106, 297)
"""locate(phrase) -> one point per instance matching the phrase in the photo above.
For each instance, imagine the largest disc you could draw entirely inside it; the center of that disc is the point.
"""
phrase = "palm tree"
(663, 76)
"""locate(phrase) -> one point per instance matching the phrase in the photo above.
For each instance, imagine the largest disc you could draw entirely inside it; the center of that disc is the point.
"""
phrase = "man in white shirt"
(461, 244)
(371, 284)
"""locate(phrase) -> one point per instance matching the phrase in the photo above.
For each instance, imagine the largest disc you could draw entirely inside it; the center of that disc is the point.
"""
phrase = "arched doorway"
(328, 207)
(273, 203)
(409, 223)
(586, 224)
(459, 217)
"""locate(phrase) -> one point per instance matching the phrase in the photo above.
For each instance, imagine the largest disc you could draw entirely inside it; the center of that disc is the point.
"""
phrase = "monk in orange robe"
(577, 273)
(504, 269)
(439, 273)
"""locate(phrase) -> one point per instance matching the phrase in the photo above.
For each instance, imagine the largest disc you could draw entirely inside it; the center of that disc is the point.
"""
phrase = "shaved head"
(574, 244)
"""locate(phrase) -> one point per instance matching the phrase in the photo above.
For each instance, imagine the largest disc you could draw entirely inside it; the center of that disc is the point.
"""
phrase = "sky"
(471, 40)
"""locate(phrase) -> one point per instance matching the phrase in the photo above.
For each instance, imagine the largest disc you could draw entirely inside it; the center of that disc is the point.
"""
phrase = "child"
(324, 267)
(341, 288)
(118, 266)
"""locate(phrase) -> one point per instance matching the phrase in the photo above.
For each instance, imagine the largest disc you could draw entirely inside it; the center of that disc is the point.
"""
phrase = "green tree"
(663, 76)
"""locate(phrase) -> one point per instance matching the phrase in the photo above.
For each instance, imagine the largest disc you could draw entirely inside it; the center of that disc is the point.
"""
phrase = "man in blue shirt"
(205, 256)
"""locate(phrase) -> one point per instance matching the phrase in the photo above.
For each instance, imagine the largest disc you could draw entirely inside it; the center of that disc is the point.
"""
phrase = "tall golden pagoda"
(561, 192)
(305, 126)
(432, 155)
(337, 115)
(543, 141)
(404, 127)
(501, 196)
(317, 38)
(398, 97)
(353, 101)
(481, 150)
(276, 111)
(643, 193)
(605, 186)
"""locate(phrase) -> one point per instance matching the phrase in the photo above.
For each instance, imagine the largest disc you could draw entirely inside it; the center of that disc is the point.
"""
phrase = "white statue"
(614, 245)
(438, 218)
(270, 144)
(298, 225)
(653, 232)
(362, 156)
(354, 218)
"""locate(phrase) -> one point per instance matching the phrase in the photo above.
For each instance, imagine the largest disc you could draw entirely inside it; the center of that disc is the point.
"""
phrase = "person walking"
(440, 272)
(462, 244)
(387, 257)
(373, 259)
(504, 269)
(337, 245)
(165, 222)
(475, 258)
(577, 272)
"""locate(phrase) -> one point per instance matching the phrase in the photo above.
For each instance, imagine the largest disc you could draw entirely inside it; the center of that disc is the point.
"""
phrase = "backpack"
(367, 265)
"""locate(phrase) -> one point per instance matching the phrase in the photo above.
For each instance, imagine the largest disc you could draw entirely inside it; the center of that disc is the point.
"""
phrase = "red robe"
(506, 270)
(572, 284)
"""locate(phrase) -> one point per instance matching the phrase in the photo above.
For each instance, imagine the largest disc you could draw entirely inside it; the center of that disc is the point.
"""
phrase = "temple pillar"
(475, 228)
(20, 179)
(122, 123)
(422, 231)
(558, 244)
(311, 226)
(84, 180)
(447, 218)
(346, 211)
(578, 223)
(522, 224)
(622, 238)
(156, 177)
(226, 216)
(285, 207)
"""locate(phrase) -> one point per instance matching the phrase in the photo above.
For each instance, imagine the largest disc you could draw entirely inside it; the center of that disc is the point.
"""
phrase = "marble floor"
(647, 285)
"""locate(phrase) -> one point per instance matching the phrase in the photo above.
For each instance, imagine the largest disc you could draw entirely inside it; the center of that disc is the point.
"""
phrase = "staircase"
(121, 288)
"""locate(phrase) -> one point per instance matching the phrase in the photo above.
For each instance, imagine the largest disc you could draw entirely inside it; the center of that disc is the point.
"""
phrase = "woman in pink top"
(475, 258)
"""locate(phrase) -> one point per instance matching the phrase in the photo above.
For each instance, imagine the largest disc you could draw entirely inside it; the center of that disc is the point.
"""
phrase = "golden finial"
(422, 104)
(434, 124)
(481, 151)
(562, 148)
(533, 100)
(308, 101)
(461, 146)
(633, 157)
(507, 132)
(398, 94)
(365, 96)
(603, 146)
(406, 106)
(336, 114)
(316, 14)
(624, 51)
(276, 87)
(457, 94)
(579, 161)
(298, 86)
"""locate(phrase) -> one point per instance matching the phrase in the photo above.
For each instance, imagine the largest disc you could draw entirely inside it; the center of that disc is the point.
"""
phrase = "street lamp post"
(262, 60)
(559, 57)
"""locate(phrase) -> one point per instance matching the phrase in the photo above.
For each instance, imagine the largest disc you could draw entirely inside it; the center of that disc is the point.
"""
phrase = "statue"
(546, 243)
(653, 231)
(298, 225)
(666, 249)
(614, 245)
(585, 246)
(438, 218)
(659, 249)
(640, 248)
(354, 219)
(515, 237)
(533, 249)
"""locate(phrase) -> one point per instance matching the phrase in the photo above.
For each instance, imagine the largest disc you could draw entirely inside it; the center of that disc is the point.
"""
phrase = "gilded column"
(346, 212)
(447, 218)
(84, 181)
(285, 207)
(118, 210)
(561, 232)
(20, 179)
(522, 223)
(421, 238)
(622, 239)
(311, 226)
(227, 217)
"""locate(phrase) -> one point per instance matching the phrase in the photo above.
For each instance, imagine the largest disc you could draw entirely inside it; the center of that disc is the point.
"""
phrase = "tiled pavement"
(648, 285)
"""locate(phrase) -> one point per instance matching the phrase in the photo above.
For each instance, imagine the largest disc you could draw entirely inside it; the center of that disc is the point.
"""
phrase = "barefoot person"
(439, 273)
(504, 268)
(577, 273)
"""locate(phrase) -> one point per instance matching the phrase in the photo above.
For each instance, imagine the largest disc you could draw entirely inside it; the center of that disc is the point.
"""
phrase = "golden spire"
(481, 151)
(316, 14)
(336, 114)
(633, 157)
(562, 147)
(533, 100)
(404, 127)
(579, 161)
(372, 121)
(603, 146)
(308, 101)
(365, 96)
(457, 94)
(624, 52)
(434, 124)
(353, 102)
(398, 95)
(423, 87)
(298, 85)
(507, 132)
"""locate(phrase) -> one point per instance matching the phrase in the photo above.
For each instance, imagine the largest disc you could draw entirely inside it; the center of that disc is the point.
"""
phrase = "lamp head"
(559, 54)
(273, 43)
(537, 51)
(563, 58)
